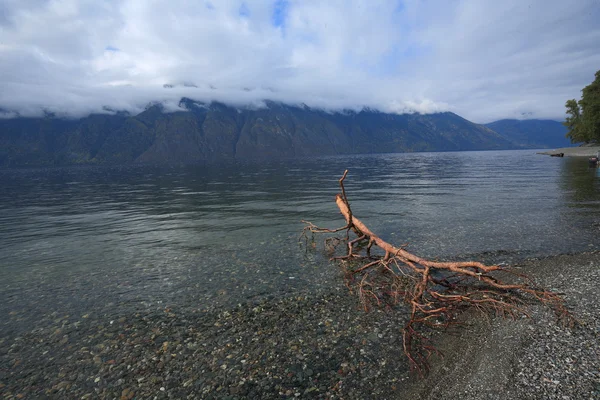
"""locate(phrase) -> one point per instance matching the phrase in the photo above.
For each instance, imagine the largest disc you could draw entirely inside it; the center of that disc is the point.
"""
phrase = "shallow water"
(81, 240)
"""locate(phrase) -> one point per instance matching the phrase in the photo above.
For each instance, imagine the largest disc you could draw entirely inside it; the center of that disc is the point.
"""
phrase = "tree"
(583, 117)
(573, 122)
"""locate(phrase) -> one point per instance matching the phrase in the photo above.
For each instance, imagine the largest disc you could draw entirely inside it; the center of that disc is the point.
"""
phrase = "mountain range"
(215, 132)
(532, 133)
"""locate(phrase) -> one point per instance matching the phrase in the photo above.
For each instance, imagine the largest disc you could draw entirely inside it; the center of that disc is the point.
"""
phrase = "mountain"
(532, 133)
(215, 131)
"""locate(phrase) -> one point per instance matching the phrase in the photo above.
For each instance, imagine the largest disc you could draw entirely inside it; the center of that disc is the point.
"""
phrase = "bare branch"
(434, 291)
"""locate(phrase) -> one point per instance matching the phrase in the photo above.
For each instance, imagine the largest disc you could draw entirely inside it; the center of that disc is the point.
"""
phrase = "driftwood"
(435, 292)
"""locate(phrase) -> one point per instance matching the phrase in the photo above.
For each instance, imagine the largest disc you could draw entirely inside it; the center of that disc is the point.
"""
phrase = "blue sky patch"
(280, 10)
(244, 11)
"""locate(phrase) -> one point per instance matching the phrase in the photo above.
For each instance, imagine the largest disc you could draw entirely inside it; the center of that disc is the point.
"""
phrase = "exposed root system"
(434, 291)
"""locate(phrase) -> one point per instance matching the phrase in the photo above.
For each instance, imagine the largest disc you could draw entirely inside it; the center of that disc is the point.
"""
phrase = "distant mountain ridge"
(532, 133)
(215, 131)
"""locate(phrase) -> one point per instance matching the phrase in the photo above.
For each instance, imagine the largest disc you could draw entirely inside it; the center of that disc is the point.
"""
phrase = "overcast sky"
(484, 60)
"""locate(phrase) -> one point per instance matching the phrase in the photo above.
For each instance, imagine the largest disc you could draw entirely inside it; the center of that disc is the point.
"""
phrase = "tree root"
(435, 291)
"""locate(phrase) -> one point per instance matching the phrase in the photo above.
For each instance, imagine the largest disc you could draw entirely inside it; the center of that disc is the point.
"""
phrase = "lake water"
(81, 240)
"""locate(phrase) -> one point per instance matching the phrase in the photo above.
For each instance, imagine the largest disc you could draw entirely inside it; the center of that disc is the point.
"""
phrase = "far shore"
(582, 151)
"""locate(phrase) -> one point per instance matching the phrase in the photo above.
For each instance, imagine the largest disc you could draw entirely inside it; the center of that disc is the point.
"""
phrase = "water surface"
(81, 240)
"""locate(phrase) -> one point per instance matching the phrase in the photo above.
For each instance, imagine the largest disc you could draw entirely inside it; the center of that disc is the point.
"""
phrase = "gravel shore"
(581, 151)
(311, 345)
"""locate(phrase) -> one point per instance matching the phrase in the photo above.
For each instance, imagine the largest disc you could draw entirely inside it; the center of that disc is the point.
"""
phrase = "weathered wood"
(400, 276)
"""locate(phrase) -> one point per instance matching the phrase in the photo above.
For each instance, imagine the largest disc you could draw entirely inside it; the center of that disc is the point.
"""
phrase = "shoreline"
(314, 345)
(581, 151)
(530, 358)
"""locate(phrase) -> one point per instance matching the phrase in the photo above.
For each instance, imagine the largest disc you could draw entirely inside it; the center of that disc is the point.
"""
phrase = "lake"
(112, 240)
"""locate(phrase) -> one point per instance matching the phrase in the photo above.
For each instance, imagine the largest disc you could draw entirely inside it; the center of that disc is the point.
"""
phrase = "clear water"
(82, 240)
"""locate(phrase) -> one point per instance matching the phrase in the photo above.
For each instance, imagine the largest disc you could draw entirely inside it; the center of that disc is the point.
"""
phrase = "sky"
(484, 60)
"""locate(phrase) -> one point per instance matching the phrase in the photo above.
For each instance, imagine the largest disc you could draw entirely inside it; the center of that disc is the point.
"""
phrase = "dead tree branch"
(435, 292)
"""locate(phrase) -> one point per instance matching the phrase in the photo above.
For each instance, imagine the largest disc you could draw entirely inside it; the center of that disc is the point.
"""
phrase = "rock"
(127, 394)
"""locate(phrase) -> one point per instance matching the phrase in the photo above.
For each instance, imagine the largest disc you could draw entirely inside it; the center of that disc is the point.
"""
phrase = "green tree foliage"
(583, 117)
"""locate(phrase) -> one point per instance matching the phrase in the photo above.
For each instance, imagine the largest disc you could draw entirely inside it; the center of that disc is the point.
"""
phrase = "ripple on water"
(119, 239)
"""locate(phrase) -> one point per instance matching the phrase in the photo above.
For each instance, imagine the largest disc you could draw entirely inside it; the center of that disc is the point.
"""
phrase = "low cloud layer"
(482, 60)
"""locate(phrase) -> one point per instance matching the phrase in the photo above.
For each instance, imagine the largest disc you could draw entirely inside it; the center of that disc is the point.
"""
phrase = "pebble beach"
(311, 345)
(581, 151)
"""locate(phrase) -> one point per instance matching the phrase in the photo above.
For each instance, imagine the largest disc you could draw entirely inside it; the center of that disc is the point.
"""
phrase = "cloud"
(482, 60)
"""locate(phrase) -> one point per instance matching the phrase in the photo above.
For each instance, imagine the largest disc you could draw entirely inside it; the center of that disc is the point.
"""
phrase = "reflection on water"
(581, 183)
(112, 240)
